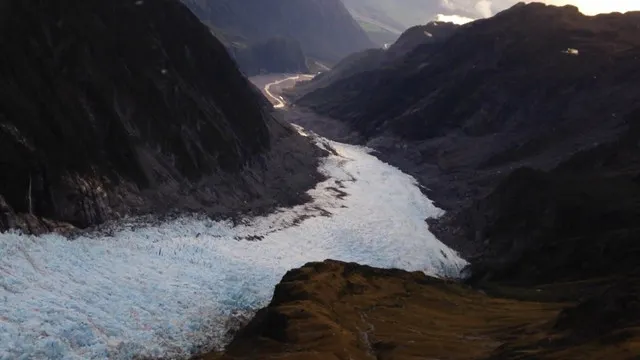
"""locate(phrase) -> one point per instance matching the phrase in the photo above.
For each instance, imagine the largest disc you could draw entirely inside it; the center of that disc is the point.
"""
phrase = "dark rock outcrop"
(579, 220)
(616, 307)
(126, 107)
(431, 33)
(276, 55)
(355, 63)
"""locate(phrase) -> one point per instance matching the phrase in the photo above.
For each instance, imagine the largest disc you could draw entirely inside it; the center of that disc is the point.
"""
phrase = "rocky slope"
(500, 93)
(324, 28)
(373, 59)
(355, 63)
(403, 14)
(106, 112)
(537, 87)
(431, 33)
(579, 220)
(335, 310)
(275, 55)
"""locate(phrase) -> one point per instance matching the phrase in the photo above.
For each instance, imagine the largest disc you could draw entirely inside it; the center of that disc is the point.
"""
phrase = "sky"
(592, 7)
(473, 9)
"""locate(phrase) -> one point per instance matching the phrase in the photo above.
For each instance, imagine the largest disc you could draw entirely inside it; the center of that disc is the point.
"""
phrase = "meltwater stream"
(170, 290)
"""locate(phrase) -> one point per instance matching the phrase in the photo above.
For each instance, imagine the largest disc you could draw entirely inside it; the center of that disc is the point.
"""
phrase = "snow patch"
(173, 289)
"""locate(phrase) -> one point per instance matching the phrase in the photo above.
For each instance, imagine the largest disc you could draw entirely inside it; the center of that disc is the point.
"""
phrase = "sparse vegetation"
(322, 310)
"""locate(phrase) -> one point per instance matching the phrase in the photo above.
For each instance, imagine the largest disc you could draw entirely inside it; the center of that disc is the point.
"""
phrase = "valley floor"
(173, 289)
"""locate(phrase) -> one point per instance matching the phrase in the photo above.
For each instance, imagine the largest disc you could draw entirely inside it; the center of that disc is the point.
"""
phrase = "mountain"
(335, 310)
(402, 14)
(431, 33)
(324, 28)
(533, 87)
(374, 59)
(275, 55)
(355, 63)
(500, 93)
(524, 126)
(122, 108)
(579, 220)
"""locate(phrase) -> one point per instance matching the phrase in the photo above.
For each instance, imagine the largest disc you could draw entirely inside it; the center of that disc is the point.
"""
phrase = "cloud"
(461, 11)
(487, 8)
(483, 7)
(456, 19)
(448, 4)
(474, 8)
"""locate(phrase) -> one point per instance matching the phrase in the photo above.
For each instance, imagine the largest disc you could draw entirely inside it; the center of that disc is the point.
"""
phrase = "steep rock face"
(120, 107)
(355, 63)
(581, 219)
(412, 38)
(497, 75)
(276, 55)
(528, 87)
(372, 60)
(537, 87)
(324, 28)
(334, 310)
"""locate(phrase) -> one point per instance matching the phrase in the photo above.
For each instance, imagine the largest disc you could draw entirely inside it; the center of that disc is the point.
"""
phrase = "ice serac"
(111, 108)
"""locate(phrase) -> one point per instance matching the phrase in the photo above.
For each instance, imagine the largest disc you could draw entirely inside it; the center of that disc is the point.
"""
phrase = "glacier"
(172, 289)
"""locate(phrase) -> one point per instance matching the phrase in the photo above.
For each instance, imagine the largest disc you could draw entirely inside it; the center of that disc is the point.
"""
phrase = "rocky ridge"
(371, 60)
(335, 310)
(499, 94)
(107, 113)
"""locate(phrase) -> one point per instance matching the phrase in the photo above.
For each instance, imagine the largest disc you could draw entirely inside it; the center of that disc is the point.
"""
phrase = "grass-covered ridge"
(335, 310)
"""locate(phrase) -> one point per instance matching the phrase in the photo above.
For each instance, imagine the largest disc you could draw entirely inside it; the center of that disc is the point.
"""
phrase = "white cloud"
(483, 7)
(456, 19)
(426, 10)
(448, 4)
(474, 8)
(591, 7)
(486, 8)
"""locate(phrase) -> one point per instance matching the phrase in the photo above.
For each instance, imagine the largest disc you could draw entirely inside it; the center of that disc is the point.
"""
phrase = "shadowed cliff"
(120, 107)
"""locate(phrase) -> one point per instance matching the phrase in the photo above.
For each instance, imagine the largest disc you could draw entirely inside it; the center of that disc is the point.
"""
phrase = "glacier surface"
(173, 289)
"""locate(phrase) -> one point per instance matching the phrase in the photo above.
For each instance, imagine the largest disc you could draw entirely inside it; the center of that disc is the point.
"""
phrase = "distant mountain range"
(321, 30)
(399, 14)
